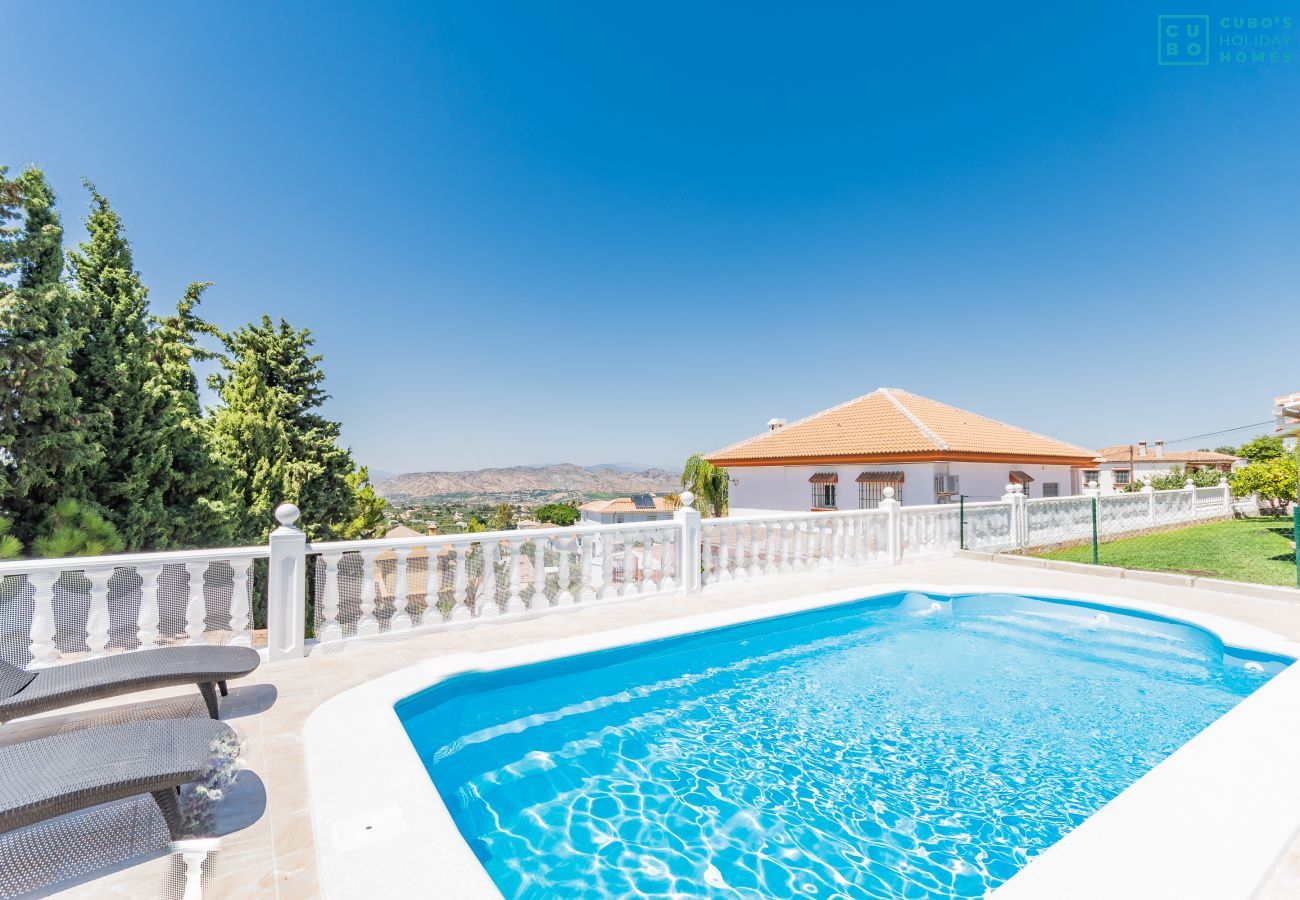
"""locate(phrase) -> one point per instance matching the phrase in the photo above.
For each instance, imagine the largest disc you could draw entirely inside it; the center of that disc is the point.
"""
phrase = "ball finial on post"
(887, 493)
(286, 514)
(687, 498)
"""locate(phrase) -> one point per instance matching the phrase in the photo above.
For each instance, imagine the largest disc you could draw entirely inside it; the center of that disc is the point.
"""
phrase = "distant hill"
(527, 482)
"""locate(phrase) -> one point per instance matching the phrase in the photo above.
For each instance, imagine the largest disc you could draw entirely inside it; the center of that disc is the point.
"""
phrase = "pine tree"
(269, 434)
(125, 408)
(43, 450)
(75, 529)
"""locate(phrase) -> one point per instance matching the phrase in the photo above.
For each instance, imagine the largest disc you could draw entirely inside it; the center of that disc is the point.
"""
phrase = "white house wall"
(786, 488)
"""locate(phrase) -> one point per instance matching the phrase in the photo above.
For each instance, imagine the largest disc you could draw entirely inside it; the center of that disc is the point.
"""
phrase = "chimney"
(1142, 448)
(432, 528)
(1160, 449)
(775, 424)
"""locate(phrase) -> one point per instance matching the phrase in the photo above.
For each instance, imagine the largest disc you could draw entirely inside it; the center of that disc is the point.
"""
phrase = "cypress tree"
(192, 491)
(269, 434)
(44, 451)
(119, 385)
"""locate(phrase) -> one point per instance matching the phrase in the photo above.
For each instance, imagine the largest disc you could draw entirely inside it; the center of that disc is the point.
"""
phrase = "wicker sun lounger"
(25, 693)
(52, 776)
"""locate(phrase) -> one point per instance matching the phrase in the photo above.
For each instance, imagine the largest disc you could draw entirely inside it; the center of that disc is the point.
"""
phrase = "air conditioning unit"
(946, 484)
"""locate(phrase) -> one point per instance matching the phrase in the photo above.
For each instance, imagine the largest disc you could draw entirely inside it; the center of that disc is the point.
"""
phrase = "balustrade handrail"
(474, 537)
(129, 560)
(790, 516)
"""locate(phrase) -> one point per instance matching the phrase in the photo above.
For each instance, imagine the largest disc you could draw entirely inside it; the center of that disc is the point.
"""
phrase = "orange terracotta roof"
(625, 505)
(1120, 453)
(890, 424)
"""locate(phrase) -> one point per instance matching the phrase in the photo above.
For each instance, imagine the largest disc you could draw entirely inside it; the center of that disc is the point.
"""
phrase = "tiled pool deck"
(268, 849)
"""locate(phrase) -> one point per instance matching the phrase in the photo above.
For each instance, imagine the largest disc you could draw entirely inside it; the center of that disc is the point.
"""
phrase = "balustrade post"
(893, 525)
(1150, 491)
(1189, 487)
(286, 599)
(687, 519)
(1019, 528)
(1227, 495)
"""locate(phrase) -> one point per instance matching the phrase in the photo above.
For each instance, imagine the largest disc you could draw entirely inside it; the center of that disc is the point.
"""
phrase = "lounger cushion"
(64, 773)
(122, 673)
(13, 679)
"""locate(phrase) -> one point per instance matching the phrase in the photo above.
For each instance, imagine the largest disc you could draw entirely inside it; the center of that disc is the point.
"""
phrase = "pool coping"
(382, 828)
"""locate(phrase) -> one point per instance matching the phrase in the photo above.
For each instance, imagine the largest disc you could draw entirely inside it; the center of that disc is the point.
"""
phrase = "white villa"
(1124, 464)
(927, 451)
(637, 508)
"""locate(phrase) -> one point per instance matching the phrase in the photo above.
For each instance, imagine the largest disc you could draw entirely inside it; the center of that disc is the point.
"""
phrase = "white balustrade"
(92, 607)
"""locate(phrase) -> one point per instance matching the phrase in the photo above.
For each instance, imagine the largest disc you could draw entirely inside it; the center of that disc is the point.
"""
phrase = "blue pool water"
(903, 746)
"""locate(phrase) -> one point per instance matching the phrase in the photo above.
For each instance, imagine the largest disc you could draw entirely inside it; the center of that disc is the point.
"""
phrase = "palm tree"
(709, 483)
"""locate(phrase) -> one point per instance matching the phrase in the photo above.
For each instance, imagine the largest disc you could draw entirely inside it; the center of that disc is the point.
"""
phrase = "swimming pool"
(905, 745)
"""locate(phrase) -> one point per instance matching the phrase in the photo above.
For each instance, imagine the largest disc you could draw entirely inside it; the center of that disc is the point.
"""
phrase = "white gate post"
(893, 525)
(286, 587)
(688, 523)
(1190, 487)
(1227, 495)
(1151, 500)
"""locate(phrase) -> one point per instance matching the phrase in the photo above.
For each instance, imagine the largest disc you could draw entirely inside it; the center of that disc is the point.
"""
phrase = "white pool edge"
(1208, 823)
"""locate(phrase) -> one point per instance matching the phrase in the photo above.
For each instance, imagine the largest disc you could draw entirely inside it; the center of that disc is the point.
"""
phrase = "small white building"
(1124, 464)
(927, 451)
(637, 508)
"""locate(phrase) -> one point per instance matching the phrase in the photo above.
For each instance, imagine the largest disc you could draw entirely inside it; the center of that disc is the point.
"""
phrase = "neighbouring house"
(927, 451)
(637, 508)
(1124, 464)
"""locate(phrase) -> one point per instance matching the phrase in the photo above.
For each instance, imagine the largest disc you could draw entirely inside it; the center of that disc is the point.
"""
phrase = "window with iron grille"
(870, 493)
(1051, 489)
(823, 496)
(1091, 475)
(1123, 476)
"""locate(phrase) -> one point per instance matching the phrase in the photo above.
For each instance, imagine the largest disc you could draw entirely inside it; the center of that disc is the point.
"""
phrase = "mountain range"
(565, 479)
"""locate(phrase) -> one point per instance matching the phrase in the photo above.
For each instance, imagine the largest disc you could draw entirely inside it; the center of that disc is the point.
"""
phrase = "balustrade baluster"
(563, 578)
(707, 556)
(367, 624)
(606, 586)
(721, 560)
(514, 600)
(241, 602)
(146, 622)
(625, 544)
(460, 608)
(668, 546)
(196, 606)
(43, 630)
(329, 630)
(538, 599)
(486, 604)
(587, 586)
(401, 620)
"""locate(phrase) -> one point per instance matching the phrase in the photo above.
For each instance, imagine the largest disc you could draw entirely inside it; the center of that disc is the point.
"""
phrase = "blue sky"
(611, 232)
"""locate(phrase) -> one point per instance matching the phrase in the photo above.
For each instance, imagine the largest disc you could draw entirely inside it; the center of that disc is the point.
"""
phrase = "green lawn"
(1256, 550)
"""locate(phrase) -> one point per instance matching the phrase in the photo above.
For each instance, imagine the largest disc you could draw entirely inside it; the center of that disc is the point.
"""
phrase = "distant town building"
(637, 508)
(1124, 464)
